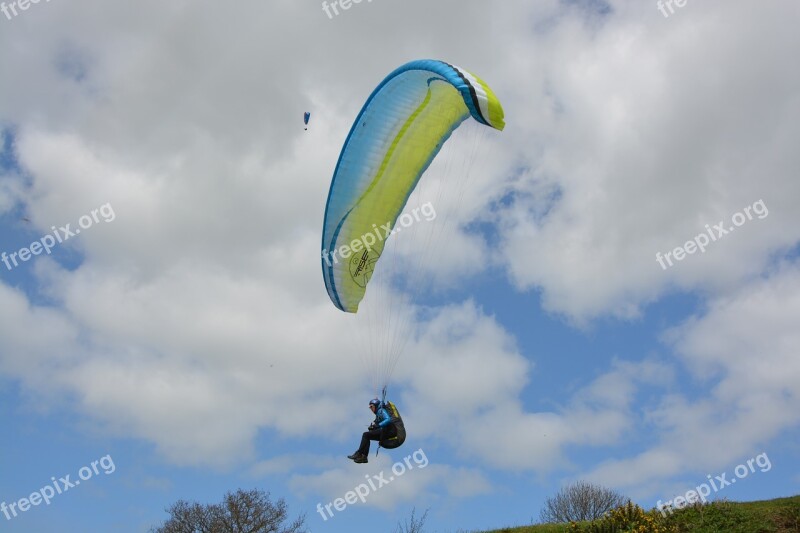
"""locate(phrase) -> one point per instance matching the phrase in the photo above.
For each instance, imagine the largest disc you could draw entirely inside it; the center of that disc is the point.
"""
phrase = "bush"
(718, 516)
(626, 518)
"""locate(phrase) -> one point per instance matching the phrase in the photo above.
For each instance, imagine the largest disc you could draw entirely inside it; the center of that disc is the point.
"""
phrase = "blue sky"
(183, 340)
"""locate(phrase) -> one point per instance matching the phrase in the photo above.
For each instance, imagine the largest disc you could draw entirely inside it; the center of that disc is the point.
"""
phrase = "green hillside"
(779, 516)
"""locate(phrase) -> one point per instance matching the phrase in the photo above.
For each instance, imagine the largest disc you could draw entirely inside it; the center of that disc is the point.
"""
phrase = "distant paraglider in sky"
(306, 116)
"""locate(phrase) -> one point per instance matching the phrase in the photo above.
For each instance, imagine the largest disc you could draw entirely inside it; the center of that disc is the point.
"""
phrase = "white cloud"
(742, 353)
(647, 132)
(391, 481)
(510, 438)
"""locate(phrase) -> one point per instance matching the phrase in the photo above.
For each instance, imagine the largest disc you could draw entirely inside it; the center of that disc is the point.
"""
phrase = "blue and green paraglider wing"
(394, 139)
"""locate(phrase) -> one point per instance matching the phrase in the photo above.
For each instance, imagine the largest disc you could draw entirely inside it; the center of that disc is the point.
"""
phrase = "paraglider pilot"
(381, 429)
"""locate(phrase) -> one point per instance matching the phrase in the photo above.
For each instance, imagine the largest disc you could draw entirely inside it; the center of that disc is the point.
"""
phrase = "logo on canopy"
(362, 265)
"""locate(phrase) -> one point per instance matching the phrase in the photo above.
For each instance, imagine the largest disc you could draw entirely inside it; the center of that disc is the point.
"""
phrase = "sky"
(614, 295)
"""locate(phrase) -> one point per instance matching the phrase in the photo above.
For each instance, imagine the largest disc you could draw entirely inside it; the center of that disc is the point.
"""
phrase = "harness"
(397, 421)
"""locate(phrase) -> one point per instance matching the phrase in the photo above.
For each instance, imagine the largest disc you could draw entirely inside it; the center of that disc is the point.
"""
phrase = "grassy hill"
(781, 515)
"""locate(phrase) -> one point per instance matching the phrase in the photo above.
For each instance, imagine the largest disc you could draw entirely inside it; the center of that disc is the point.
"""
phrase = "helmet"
(376, 402)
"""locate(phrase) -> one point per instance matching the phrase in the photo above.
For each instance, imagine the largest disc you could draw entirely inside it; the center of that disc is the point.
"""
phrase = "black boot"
(360, 458)
(355, 454)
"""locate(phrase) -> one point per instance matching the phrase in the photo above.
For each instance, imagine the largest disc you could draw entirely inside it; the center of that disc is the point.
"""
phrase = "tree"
(415, 525)
(580, 501)
(240, 512)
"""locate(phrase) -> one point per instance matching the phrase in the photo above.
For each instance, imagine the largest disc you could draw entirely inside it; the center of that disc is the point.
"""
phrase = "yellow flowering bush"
(628, 518)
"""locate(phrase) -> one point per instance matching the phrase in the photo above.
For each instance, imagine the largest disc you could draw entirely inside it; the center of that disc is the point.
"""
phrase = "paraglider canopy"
(394, 139)
(306, 116)
(398, 133)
